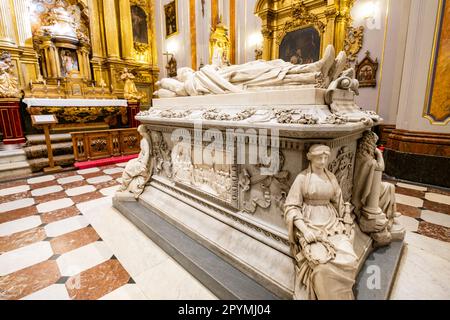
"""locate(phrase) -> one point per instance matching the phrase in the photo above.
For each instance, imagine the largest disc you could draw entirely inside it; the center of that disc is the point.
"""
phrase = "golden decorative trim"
(433, 64)
(353, 42)
(383, 55)
(193, 26)
(233, 31)
(214, 13)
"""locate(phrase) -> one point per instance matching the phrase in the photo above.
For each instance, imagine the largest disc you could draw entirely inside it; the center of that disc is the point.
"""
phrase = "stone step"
(14, 169)
(9, 156)
(220, 277)
(37, 139)
(40, 151)
(65, 160)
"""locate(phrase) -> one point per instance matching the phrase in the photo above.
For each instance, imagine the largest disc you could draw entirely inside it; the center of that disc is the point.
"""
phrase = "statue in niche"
(68, 62)
(138, 171)
(8, 81)
(254, 75)
(321, 232)
(130, 91)
(374, 200)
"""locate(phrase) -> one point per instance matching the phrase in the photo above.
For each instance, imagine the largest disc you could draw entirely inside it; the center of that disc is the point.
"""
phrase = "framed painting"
(437, 101)
(140, 24)
(171, 18)
(69, 61)
(301, 46)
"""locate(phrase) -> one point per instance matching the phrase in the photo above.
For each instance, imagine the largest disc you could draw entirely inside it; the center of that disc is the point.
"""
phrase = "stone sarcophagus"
(221, 167)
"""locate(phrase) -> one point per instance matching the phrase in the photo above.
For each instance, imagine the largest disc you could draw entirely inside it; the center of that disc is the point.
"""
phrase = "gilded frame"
(431, 83)
(279, 40)
(175, 3)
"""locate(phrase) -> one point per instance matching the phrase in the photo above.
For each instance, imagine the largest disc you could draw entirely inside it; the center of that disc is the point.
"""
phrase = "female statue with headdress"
(321, 232)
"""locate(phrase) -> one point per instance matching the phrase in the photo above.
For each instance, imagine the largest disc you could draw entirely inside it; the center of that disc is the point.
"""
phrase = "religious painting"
(366, 71)
(170, 11)
(301, 46)
(69, 61)
(140, 24)
(437, 104)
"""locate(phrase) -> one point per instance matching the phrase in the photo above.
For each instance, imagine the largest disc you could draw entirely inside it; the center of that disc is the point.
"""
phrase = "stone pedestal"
(132, 110)
(10, 121)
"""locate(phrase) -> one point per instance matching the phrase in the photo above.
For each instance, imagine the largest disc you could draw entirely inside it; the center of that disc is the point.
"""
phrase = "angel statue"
(321, 232)
(130, 90)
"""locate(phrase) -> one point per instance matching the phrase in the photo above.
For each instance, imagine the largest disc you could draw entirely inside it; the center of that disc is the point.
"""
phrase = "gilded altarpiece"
(329, 20)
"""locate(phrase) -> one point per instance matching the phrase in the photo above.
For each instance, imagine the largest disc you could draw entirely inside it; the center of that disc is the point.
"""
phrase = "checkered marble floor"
(60, 238)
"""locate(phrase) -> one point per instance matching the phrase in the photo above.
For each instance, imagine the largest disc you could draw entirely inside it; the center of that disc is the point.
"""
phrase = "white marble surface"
(438, 198)
(70, 179)
(16, 204)
(409, 201)
(126, 292)
(436, 218)
(109, 192)
(100, 179)
(410, 224)
(19, 225)
(13, 190)
(122, 164)
(61, 227)
(31, 102)
(54, 205)
(80, 190)
(113, 170)
(87, 171)
(44, 191)
(46, 178)
(24, 257)
(411, 186)
(84, 258)
(53, 292)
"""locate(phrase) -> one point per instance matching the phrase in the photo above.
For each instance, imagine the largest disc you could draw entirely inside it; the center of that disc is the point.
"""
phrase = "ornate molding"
(353, 42)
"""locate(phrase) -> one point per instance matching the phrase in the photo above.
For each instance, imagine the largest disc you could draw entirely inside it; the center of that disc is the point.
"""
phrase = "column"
(96, 41)
(111, 30)
(193, 27)
(7, 36)
(22, 11)
(126, 29)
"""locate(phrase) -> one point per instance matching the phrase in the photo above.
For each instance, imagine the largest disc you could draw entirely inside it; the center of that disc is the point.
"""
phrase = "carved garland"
(353, 42)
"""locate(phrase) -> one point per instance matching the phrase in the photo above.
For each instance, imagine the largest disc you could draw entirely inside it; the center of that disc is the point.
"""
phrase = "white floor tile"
(54, 205)
(16, 204)
(19, 225)
(70, 179)
(21, 258)
(438, 198)
(80, 190)
(410, 224)
(83, 258)
(87, 171)
(169, 281)
(109, 192)
(126, 292)
(61, 227)
(13, 190)
(113, 170)
(409, 201)
(430, 245)
(41, 179)
(53, 292)
(441, 219)
(122, 165)
(411, 186)
(100, 179)
(45, 191)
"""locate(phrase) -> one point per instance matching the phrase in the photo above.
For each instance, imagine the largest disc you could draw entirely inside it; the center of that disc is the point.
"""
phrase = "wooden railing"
(93, 145)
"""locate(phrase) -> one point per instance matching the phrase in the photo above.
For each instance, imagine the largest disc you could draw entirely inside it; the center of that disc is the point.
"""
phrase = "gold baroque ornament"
(353, 42)
(300, 17)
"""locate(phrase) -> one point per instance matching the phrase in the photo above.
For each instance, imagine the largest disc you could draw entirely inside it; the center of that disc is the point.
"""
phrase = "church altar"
(76, 114)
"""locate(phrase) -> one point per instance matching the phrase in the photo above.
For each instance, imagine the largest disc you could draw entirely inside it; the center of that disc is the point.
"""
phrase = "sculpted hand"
(309, 236)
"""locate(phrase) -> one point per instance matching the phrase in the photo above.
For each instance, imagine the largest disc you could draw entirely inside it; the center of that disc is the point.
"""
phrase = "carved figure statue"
(130, 90)
(374, 200)
(138, 171)
(8, 81)
(321, 233)
(212, 79)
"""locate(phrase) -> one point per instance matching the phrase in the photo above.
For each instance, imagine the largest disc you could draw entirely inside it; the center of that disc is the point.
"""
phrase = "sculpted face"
(320, 161)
